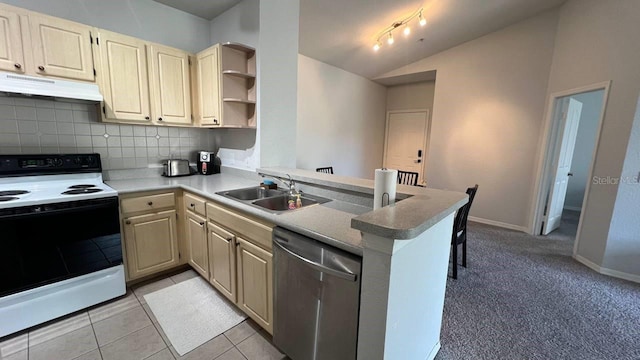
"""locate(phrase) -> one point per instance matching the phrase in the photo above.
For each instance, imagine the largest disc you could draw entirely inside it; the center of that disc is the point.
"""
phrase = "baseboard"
(434, 351)
(572, 208)
(606, 271)
(498, 224)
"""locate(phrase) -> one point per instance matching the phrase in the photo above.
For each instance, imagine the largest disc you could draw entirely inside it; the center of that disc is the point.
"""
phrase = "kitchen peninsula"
(404, 247)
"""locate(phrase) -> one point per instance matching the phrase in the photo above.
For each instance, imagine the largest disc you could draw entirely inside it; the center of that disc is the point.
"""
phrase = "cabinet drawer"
(195, 204)
(253, 229)
(146, 203)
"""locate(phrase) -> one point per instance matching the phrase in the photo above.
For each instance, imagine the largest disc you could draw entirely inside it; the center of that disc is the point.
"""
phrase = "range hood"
(57, 88)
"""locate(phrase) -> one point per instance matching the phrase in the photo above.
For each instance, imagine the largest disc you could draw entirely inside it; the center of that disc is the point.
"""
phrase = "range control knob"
(57, 162)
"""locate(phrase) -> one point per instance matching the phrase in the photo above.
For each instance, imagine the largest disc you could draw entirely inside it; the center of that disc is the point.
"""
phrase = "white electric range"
(61, 249)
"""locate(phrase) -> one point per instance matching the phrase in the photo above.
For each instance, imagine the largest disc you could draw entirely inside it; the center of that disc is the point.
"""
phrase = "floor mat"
(192, 312)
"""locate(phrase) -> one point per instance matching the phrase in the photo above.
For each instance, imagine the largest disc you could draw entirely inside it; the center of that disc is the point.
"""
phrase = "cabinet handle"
(146, 118)
(159, 119)
(150, 203)
(230, 239)
(128, 222)
(18, 66)
(202, 223)
(192, 205)
(41, 68)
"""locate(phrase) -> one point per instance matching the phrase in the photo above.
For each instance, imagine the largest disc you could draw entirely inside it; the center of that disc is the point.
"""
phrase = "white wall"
(623, 246)
(585, 143)
(487, 115)
(597, 41)
(341, 120)
(144, 19)
(278, 61)
(240, 148)
(411, 96)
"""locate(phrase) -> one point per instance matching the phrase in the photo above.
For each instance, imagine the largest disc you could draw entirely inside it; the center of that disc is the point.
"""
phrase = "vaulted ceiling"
(342, 32)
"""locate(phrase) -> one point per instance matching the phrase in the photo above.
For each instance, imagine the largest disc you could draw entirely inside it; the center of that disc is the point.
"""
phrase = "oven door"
(49, 243)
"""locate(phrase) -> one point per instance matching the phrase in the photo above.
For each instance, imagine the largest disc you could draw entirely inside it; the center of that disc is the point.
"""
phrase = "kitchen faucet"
(291, 185)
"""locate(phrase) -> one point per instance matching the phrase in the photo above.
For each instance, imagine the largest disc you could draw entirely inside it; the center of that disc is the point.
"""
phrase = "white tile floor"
(125, 329)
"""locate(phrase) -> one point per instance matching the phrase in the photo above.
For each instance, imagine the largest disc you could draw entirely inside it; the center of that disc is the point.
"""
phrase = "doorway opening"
(573, 128)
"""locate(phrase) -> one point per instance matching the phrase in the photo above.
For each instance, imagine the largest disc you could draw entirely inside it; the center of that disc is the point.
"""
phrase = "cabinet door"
(197, 244)
(124, 82)
(222, 260)
(151, 243)
(61, 48)
(11, 51)
(209, 86)
(255, 276)
(170, 85)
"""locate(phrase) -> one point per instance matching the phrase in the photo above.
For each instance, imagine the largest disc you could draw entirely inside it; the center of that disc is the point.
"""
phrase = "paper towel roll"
(384, 190)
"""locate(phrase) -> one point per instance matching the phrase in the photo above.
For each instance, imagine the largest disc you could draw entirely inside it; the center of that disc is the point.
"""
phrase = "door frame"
(546, 154)
(425, 140)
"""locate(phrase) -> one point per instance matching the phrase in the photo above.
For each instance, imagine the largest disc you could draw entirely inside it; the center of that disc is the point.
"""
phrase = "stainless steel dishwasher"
(317, 298)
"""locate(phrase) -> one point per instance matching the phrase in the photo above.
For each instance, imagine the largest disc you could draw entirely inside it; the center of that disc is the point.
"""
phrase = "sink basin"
(252, 193)
(281, 203)
(275, 201)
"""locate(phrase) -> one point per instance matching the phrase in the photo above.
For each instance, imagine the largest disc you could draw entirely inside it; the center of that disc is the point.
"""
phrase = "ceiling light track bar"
(388, 32)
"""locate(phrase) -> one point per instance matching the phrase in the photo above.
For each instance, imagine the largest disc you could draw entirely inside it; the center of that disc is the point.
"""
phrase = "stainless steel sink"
(252, 193)
(281, 203)
(275, 201)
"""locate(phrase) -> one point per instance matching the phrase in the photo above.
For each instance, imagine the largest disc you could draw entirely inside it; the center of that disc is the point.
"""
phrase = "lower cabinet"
(240, 261)
(222, 260)
(196, 232)
(255, 276)
(151, 243)
(150, 233)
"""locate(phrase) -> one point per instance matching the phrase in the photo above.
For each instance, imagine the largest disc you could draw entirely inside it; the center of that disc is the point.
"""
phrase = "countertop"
(319, 222)
(420, 208)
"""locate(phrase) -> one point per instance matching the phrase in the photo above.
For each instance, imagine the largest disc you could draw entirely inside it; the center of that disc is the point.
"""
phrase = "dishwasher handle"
(327, 270)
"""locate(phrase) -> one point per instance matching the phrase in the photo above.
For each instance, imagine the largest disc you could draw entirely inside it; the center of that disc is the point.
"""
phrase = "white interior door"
(406, 141)
(571, 110)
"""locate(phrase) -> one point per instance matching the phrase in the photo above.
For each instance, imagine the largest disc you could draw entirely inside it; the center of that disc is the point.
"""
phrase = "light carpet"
(192, 313)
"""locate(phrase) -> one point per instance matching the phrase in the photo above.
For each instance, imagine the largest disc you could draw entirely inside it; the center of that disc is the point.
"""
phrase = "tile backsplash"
(37, 126)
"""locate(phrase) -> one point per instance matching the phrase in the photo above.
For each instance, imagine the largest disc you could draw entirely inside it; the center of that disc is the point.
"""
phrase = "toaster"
(176, 167)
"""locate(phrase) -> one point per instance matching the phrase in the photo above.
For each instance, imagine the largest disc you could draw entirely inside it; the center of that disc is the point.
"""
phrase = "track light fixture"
(407, 30)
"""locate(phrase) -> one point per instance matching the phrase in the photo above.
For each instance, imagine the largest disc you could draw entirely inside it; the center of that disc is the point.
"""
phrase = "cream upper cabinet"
(227, 86)
(124, 78)
(208, 74)
(39, 45)
(143, 82)
(11, 50)
(170, 85)
(61, 48)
